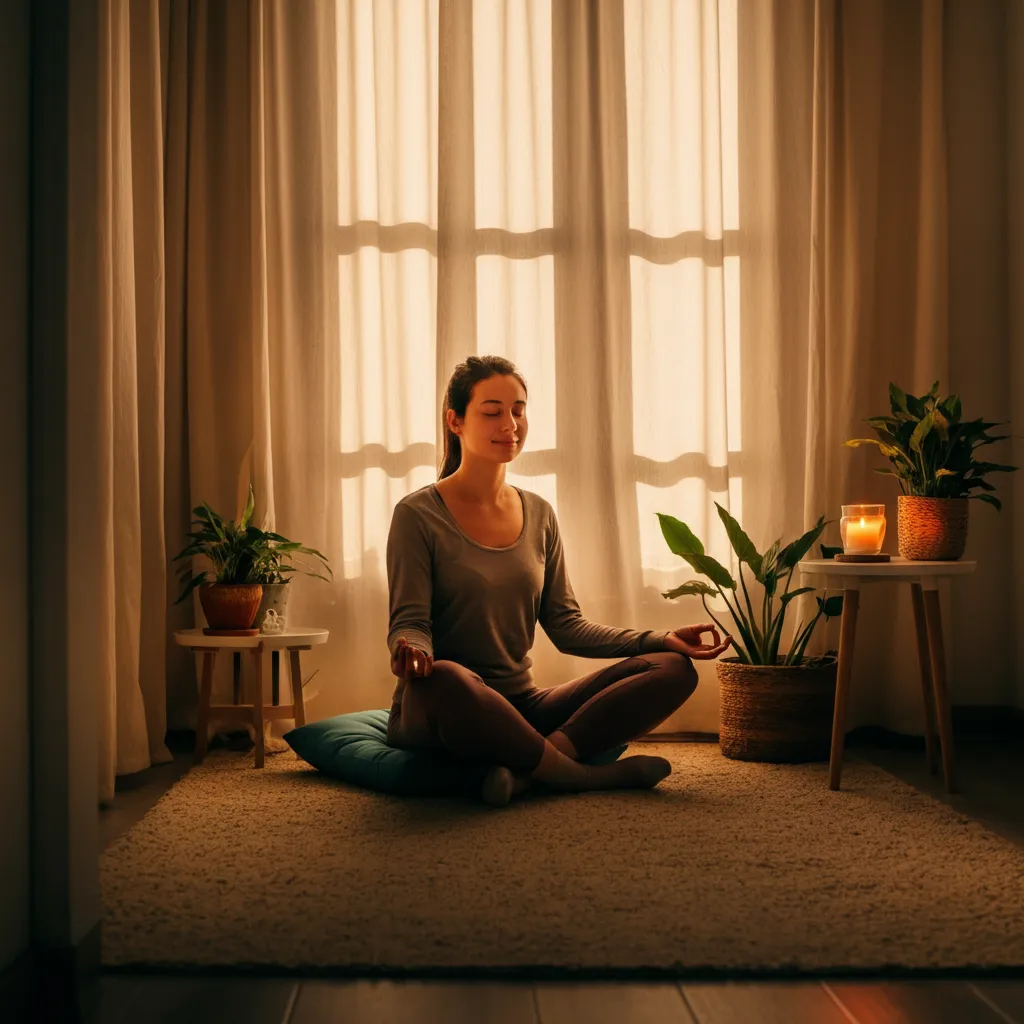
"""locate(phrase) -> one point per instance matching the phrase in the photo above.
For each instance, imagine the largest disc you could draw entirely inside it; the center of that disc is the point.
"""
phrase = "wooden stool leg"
(257, 702)
(924, 661)
(297, 699)
(203, 716)
(848, 632)
(937, 651)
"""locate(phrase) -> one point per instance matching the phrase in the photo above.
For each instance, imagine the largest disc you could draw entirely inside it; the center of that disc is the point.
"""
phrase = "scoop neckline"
(476, 543)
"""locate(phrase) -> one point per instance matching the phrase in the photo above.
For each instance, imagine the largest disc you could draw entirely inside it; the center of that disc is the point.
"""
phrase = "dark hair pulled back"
(457, 395)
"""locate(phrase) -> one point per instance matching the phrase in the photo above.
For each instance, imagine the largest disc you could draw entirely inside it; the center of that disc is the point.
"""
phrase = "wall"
(65, 819)
(1015, 219)
(14, 721)
(984, 607)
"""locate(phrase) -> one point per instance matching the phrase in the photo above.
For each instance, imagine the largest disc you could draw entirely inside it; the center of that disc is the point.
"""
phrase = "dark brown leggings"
(454, 710)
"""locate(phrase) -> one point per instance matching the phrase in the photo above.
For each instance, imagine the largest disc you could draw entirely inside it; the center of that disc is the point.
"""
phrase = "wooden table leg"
(297, 700)
(203, 715)
(937, 651)
(257, 703)
(848, 632)
(925, 664)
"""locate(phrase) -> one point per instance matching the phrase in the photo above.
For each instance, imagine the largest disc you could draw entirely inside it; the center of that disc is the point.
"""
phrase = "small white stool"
(923, 578)
(296, 639)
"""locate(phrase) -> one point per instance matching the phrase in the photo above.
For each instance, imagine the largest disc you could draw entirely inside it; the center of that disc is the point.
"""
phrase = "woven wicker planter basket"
(230, 605)
(932, 529)
(781, 714)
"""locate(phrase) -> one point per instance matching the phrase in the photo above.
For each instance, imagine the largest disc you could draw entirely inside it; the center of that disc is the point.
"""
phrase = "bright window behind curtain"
(680, 102)
(683, 208)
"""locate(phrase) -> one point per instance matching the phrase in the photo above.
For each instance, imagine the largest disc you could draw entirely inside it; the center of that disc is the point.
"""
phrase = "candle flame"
(861, 520)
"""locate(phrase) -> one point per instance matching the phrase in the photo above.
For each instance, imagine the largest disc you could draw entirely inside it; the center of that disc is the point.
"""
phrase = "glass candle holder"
(862, 528)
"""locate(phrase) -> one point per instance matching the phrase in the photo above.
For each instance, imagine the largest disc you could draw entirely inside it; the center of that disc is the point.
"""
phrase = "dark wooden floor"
(991, 782)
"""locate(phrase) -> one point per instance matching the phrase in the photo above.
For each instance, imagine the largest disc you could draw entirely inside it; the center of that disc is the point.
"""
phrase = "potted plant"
(773, 707)
(244, 557)
(274, 569)
(931, 449)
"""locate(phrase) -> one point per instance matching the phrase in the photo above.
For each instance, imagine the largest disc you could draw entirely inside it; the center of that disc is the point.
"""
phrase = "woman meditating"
(473, 564)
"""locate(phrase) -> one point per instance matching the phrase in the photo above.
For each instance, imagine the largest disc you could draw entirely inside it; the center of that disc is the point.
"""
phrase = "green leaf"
(921, 431)
(916, 407)
(886, 423)
(786, 598)
(691, 589)
(830, 552)
(682, 541)
(770, 557)
(831, 607)
(988, 499)
(890, 451)
(897, 399)
(741, 543)
(951, 408)
(679, 537)
(713, 569)
(944, 472)
(793, 553)
(250, 506)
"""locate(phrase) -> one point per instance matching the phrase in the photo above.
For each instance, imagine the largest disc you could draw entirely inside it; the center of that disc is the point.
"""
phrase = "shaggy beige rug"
(727, 865)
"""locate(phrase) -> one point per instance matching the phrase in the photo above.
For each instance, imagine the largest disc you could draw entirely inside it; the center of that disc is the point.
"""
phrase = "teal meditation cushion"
(353, 748)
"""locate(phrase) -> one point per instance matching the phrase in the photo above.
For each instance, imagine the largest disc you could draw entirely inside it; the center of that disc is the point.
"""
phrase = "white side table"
(254, 711)
(923, 578)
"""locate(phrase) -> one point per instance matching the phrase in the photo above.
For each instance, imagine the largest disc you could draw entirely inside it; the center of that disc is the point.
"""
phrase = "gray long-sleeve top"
(459, 600)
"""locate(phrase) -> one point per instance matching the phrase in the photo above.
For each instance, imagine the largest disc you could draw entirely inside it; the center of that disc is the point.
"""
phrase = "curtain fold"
(252, 297)
(844, 112)
(115, 364)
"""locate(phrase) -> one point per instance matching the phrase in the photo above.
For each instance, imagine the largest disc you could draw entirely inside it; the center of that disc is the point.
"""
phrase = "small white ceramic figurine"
(272, 623)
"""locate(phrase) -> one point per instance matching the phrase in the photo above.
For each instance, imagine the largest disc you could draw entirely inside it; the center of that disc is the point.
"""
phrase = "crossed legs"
(543, 732)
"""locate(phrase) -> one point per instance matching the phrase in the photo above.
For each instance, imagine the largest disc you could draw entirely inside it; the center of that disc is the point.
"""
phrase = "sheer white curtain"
(557, 184)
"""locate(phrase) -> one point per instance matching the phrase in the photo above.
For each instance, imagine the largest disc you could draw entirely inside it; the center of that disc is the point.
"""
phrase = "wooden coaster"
(862, 558)
(230, 632)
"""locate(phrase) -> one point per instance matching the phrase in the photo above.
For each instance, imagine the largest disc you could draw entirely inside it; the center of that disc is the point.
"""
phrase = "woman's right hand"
(410, 662)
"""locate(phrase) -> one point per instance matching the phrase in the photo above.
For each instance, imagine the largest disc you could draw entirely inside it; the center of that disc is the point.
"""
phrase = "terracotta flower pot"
(932, 529)
(230, 605)
(780, 713)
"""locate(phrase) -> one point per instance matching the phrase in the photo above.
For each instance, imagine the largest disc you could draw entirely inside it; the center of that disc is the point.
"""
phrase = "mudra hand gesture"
(687, 640)
(410, 662)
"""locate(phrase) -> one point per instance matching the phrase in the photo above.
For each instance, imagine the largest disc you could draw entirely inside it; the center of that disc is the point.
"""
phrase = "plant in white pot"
(243, 556)
(773, 707)
(274, 568)
(930, 448)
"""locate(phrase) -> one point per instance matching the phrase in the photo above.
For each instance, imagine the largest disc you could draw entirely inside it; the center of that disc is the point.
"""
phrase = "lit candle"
(863, 529)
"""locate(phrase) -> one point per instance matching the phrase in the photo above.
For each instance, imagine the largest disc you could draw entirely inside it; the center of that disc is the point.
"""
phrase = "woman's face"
(496, 415)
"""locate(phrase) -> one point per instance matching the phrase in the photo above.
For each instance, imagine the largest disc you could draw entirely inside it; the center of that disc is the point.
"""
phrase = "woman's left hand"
(687, 640)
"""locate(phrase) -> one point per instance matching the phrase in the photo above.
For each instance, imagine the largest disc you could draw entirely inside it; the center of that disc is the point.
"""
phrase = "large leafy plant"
(760, 631)
(240, 551)
(931, 449)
